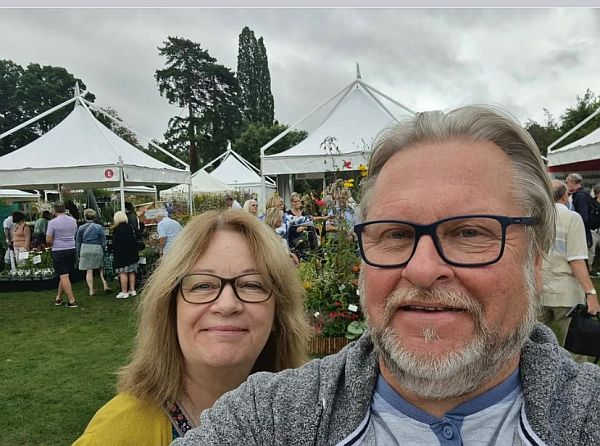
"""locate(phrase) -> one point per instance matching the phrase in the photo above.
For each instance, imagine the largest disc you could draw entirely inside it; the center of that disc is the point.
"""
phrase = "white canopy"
(356, 119)
(201, 182)
(18, 195)
(583, 154)
(239, 174)
(82, 152)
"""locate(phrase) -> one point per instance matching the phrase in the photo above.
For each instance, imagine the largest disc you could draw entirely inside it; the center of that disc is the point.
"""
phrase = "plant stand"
(320, 346)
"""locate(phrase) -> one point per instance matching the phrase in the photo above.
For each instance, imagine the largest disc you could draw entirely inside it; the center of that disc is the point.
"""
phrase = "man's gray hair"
(529, 180)
(160, 215)
(575, 178)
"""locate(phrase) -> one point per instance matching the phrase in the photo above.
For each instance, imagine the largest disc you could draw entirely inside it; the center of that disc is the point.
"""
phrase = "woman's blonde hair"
(156, 370)
(273, 201)
(119, 217)
(273, 217)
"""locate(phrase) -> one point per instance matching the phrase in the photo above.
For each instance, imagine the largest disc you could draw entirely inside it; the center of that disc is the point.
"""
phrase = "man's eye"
(469, 232)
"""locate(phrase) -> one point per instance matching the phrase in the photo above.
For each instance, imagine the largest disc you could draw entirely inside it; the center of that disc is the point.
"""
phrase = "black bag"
(594, 220)
(583, 336)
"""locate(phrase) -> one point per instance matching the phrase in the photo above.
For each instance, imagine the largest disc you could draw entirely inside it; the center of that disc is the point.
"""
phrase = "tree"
(585, 106)
(257, 135)
(26, 93)
(545, 134)
(208, 91)
(255, 79)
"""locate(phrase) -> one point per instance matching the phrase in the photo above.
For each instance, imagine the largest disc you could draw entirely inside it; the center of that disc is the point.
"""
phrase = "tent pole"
(190, 197)
(122, 184)
(60, 197)
(46, 113)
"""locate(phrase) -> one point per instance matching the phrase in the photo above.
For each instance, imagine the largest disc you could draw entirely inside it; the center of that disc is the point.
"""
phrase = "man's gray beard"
(457, 373)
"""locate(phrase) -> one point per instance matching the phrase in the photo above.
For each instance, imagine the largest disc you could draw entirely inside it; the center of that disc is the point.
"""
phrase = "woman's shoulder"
(127, 420)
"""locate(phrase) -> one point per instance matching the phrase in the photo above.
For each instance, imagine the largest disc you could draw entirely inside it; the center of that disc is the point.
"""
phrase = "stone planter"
(320, 346)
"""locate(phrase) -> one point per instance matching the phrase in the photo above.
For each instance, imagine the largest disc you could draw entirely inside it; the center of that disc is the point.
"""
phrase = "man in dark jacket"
(451, 289)
(580, 200)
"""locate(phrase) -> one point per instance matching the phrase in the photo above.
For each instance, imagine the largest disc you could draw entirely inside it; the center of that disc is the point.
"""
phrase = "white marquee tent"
(201, 182)
(355, 120)
(239, 174)
(18, 195)
(581, 156)
(80, 152)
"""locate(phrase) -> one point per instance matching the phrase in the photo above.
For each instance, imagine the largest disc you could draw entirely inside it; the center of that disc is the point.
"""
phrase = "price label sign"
(23, 255)
(352, 308)
(142, 261)
(37, 259)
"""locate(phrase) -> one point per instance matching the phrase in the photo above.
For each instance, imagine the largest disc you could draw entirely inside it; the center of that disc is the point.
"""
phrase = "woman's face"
(254, 208)
(227, 332)
(297, 203)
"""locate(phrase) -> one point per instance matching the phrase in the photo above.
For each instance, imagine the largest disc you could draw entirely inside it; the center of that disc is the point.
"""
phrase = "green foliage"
(255, 80)
(26, 93)
(215, 202)
(255, 136)
(208, 91)
(330, 276)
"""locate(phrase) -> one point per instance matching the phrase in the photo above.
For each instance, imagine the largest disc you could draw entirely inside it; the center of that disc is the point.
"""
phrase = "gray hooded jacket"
(327, 401)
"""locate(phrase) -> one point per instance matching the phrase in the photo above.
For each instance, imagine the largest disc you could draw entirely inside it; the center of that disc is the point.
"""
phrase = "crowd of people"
(85, 246)
(454, 292)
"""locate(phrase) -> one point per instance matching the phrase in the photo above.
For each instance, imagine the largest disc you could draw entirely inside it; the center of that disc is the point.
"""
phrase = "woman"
(90, 242)
(223, 304)
(274, 220)
(301, 229)
(40, 228)
(21, 235)
(251, 206)
(125, 254)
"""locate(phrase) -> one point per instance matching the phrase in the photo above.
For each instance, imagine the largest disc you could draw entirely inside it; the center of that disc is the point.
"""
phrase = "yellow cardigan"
(127, 421)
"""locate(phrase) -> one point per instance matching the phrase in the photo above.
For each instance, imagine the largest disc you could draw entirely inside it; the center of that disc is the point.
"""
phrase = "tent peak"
(358, 76)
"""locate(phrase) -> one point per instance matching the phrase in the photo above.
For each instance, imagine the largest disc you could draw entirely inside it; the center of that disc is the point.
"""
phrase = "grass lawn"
(57, 364)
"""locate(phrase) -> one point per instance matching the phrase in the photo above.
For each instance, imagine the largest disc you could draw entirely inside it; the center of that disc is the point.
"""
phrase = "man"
(7, 227)
(595, 237)
(231, 203)
(167, 232)
(450, 288)
(580, 200)
(61, 236)
(564, 270)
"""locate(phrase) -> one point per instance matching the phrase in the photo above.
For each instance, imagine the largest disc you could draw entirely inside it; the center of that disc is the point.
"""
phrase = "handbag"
(139, 240)
(583, 335)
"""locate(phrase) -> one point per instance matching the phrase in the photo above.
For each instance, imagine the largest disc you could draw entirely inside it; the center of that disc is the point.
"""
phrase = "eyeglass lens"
(466, 241)
(203, 288)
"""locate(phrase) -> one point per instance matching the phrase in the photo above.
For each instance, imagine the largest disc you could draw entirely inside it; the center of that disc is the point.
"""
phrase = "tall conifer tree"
(254, 79)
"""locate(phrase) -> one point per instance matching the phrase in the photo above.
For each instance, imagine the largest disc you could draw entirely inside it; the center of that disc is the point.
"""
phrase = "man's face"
(572, 186)
(424, 184)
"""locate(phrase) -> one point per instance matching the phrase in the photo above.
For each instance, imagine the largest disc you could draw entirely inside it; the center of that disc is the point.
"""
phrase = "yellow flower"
(364, 170)
(307, 285)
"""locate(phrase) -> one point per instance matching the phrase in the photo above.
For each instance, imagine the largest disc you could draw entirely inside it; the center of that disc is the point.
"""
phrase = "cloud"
(523, 59)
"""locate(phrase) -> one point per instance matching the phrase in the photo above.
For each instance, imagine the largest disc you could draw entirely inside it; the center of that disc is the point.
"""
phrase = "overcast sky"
(522, 59)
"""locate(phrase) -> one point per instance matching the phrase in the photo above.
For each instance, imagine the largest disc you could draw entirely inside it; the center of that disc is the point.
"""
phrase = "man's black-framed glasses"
(466, 240)
(206, 288)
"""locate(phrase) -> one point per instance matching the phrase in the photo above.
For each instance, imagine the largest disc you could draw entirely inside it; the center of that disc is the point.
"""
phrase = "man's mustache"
(438, 297)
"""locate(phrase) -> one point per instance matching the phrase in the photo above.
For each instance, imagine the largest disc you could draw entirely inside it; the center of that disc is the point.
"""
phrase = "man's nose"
(426, 267)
